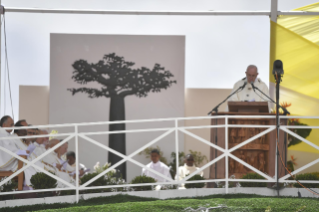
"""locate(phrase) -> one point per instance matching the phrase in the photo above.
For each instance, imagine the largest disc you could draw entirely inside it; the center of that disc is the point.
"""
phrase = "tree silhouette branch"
(119, 78)
(85, 72)
(93, 93)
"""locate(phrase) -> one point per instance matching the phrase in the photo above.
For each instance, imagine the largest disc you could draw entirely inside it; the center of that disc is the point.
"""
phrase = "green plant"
(42, 181)
(67, 192)
(98, 182)
(198, 158)
(315, 173)
(252, 184)
(291, 164)
(143, 179)
(112, 177)
(8, 186)
(147, 153)
(169, 187)
(268, 209)
(234, 202)
(301, 208)
(195, 185)
(173, 163)
(307, 176)
(301, 132)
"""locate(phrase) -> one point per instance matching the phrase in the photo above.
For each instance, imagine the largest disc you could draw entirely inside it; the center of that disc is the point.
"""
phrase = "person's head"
(32, 131)
(155, 155)
(251, 73)
(189, 160)
(6, 121)
(21, 123)
(45, 139)
(63, 149)
(40, 140)
(70, 156)
(52, 143)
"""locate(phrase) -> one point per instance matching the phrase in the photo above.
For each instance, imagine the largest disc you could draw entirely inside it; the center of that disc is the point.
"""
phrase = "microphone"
(252, 85)
(243, 86)
(278, 68)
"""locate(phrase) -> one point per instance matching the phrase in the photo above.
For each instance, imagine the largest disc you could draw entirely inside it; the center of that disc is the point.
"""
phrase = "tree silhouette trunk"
(117, 141)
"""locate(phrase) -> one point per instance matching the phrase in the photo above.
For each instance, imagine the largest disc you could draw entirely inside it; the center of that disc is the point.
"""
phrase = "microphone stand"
(215, 109)
(277, 122)
(284, 109)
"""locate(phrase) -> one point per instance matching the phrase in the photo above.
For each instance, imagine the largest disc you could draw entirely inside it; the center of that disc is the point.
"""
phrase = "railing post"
(176, 149)
(226, 155)
(77, 162)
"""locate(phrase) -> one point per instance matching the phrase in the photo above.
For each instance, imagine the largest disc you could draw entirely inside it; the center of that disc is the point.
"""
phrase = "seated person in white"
(39, 143)
(158, 166)
(55, 164)
(188, 168)
(8, 162)
(71, 165)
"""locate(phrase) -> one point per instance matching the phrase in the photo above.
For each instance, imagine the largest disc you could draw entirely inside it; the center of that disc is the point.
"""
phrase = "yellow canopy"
(295, 41)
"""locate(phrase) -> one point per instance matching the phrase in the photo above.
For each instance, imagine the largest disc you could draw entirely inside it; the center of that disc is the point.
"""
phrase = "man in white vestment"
(158, 166)
(188, 168)
(8, 162)
(54, 163)
(248, 94)
(39, 143)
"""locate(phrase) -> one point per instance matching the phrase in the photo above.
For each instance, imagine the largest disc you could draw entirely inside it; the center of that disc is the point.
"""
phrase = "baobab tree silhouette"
(119, 79)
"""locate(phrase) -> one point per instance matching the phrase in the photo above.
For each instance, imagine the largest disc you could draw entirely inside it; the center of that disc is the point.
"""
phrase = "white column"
(274, 10)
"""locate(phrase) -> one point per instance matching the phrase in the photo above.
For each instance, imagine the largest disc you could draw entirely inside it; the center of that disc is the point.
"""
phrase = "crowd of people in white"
(61, 162)
(54, 162)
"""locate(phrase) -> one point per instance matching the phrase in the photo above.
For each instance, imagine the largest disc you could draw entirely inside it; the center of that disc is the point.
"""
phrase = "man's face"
(31, 132)
(71, 160)
(39, 140)
(8, 123)
(63, 149)
(190, 160)
(45, 139)
(251, 74)
(155, 157)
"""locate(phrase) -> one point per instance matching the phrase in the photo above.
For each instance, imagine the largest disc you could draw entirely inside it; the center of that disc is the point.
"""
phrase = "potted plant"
(143, 179)
(252, 184)
(8, 187)
(98, 182)
(42, 181)
(195, 185)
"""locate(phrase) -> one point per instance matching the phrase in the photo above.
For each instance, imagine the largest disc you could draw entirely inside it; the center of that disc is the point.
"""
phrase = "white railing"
(226, 152)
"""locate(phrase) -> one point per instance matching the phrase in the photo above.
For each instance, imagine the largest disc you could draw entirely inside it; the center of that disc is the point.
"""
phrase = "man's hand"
(28, 152)
(59, 166)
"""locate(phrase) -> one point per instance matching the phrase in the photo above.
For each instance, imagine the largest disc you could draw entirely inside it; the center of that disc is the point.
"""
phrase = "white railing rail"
(226, 152)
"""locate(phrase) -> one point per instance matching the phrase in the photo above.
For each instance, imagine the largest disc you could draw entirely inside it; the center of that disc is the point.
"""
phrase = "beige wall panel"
(34, 104)
(198, 102)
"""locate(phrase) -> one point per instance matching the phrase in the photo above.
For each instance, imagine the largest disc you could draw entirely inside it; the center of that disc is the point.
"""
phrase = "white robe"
(52, 159)
(40, 149)
(72, 168)
(185, 170)
(159, 167)
(15, 145)
(248, 94)
(7, 162)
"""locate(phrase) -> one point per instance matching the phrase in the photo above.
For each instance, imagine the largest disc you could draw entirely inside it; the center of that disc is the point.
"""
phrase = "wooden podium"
(260, 153)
